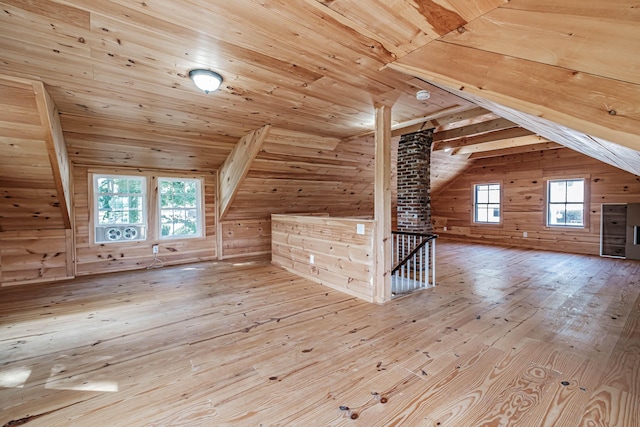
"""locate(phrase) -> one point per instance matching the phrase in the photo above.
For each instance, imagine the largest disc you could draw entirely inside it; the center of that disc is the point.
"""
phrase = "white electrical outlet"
(154, 249)
(360, 229)
(444, 228)
(312, 259)
(525, 234)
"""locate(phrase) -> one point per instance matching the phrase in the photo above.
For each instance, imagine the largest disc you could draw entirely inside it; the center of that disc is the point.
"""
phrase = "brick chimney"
(414, 183)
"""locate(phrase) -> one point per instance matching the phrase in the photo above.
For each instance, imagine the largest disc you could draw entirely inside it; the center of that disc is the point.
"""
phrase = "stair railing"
(413, 258)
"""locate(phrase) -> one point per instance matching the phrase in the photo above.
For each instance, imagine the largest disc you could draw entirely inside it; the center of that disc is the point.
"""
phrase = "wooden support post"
(1, 280)
(219, 252)
(382, 205)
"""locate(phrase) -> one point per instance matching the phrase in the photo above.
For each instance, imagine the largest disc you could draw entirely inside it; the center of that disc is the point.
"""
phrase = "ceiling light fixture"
(423, 95)
(206, 80)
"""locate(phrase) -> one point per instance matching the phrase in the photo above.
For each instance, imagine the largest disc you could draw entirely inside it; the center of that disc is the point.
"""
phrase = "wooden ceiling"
(117, 71)
(294, 65)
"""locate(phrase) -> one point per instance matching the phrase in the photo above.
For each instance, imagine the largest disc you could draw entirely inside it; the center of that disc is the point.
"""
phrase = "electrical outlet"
(444, 228)
(525, 234)
(312, 259)
(154, 249)
(360, 229)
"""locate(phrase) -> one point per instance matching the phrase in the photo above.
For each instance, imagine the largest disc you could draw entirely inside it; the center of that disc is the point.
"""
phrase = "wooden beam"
(520, 141)
(485, 137)
(236, 167)
(56, 148)
(382, 205)
(443, 117)
(474, 129)
(596, 105)
(516, 150)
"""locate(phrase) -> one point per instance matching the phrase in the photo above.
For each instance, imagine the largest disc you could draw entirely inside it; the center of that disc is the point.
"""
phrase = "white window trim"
(96, 210)
(474, 187)
(199, 210)
(585, 210)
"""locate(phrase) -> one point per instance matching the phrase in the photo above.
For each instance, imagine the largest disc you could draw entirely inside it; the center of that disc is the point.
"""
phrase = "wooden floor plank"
(508, 337)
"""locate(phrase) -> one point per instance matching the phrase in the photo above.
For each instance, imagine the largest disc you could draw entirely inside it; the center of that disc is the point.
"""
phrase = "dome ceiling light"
(206, 80)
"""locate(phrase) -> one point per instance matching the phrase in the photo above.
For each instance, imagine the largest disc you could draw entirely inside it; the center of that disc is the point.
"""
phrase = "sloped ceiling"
(569, 71)
(117, 70)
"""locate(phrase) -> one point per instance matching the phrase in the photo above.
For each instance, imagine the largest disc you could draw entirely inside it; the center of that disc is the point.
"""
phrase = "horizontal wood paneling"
(523, 200)
(29, 256)
(297, 173)
(343, 259)
(95, 258)
(246, 237)
(33, 192)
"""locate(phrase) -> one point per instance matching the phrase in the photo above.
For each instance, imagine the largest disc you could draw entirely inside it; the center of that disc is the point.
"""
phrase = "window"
(180, 203)
(565, 203)
(487, 203)
(120, 213)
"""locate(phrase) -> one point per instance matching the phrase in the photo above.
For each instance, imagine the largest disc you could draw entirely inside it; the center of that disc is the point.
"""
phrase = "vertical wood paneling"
(342, 258)
(523, 207)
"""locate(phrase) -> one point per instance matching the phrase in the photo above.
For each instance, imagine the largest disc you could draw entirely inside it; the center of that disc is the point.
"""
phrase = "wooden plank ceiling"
(117, 71)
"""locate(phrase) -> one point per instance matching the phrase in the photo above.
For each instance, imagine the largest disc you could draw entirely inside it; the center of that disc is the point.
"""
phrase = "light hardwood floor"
(509, 337)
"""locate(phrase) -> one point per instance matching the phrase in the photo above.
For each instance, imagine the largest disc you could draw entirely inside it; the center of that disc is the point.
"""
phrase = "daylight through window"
(180, 213)
(119, 208)
(487, 203)
(565, 203)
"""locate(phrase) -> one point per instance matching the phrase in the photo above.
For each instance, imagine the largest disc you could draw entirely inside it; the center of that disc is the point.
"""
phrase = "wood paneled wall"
(31, 256)
(298, 174)
(343, 259)
(35, 184)
(34, 168)
(523, 200)
(246, 237)
(95, 258)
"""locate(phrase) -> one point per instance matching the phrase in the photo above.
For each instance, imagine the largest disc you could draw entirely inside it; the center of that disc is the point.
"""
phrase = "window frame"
(474, 207)
(151, 204)
(585, 203)
(198, 208)
(95, 215)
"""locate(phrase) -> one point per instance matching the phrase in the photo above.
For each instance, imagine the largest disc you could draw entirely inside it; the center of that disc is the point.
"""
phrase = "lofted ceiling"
(117, 72)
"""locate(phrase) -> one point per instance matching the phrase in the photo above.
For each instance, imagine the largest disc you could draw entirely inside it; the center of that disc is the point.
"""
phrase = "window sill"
(487, 224)
(565, 228)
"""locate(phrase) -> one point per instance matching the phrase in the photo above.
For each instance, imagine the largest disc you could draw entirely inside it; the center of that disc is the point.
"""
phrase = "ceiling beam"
(441, 118)
(474, 129)
(510, 133)
(236, 167)
(599, 106)
(516, 150)
(520, 141)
